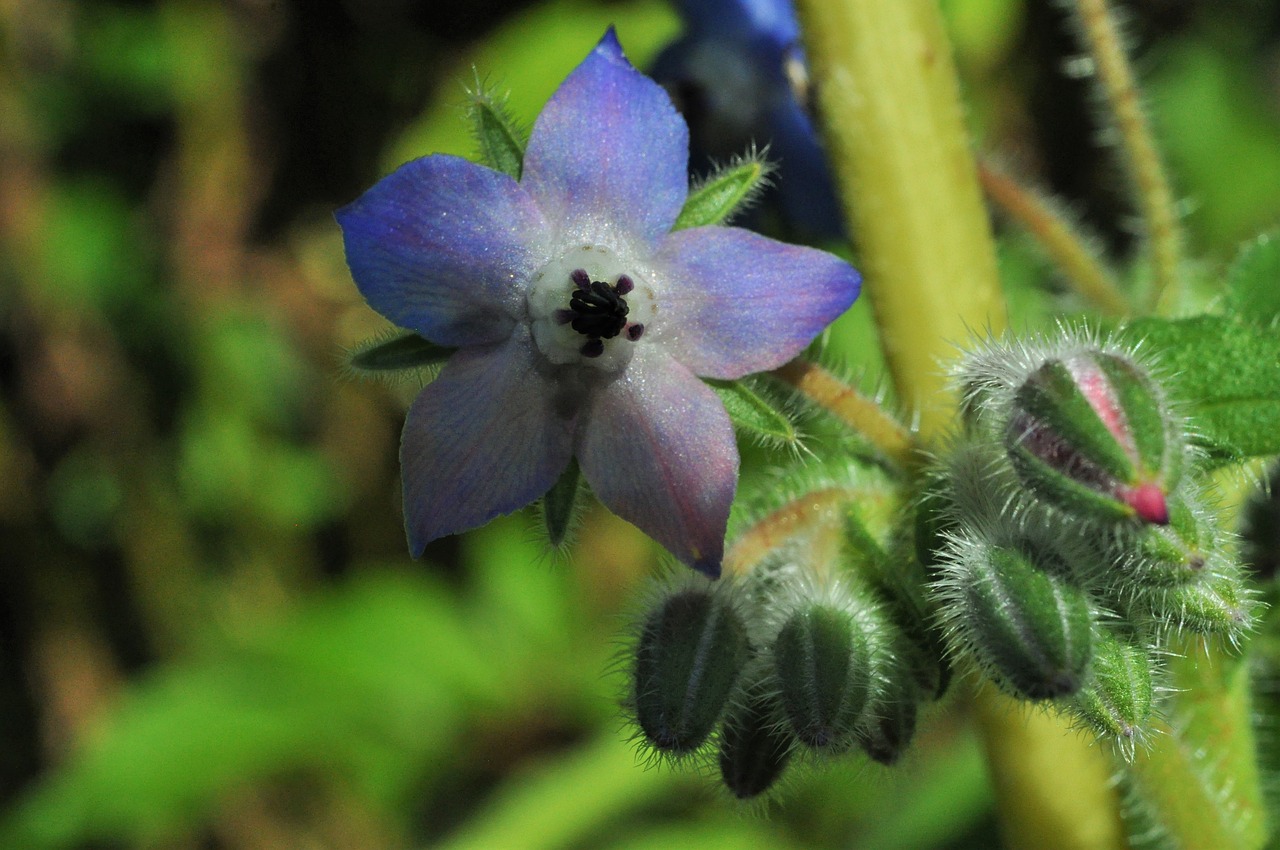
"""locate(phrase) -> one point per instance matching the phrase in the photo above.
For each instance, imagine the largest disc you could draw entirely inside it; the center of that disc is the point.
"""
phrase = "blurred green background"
(211, 635)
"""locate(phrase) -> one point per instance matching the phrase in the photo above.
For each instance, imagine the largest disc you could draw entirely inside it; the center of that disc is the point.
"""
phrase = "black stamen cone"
(599, 311)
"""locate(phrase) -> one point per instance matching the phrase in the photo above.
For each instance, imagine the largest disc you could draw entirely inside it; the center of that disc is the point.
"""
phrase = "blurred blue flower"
(580, 319)
(738, 75)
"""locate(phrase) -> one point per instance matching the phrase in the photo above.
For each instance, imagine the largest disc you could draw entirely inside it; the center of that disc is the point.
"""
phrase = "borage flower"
(580, 319)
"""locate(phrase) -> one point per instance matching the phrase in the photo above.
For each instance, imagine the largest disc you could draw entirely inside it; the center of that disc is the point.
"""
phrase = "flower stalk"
(1124, 106)
(864, 415)
(1058, 237)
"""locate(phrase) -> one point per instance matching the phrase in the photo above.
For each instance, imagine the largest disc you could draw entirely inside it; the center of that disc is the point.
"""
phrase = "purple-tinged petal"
(658, 450)
(609, 150)
(483, 439)
(445, 247)
(733, 302)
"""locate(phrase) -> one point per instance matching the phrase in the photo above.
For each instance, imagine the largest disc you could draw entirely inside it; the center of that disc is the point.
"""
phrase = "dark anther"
(635, 332)
(564, 317)
(592, 348)
(580, 278)
(624, 285)
(598, 311)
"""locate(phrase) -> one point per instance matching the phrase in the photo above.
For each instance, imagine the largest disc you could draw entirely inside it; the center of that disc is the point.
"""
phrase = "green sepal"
(754, 747)
(722, 193)
(397, 354)
(1116, 705)
(1253, 282)
(1149, 422)
(560, 503)
(824, 659)
(691, 651)
(500, 138)
(753, 413)
(1225, 375)
(1030, 627)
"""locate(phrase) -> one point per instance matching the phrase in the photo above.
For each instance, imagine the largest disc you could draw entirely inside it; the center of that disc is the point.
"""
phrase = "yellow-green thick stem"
(1199, 780)
(888, 94)
(890, 104)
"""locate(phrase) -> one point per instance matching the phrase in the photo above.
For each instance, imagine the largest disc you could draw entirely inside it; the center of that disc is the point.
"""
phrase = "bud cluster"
(1067, 531)
(793, 659)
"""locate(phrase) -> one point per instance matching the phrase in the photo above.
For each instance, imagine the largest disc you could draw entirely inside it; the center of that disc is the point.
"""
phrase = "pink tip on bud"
(1148, 502)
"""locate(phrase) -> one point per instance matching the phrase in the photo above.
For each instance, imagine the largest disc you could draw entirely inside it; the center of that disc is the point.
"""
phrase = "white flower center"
(587, 307)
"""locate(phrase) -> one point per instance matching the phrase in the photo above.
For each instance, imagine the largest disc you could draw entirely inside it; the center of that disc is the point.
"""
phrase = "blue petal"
(609, 150)
(806, 190)
(742, 20)
(733, 302)
(444, 247)
(658, 450)
(483, 439)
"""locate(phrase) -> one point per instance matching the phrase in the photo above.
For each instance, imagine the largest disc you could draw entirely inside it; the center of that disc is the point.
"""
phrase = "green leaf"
(368, 681)
(754, 414)
(1253, 281)
(501, 138)
(1225, 374)
(723, 193)
(395, 354)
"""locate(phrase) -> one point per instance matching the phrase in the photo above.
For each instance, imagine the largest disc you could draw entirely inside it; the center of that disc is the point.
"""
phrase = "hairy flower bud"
(1090, 433)
(1220, 604)
(1117, 703)
(754, 746)
(1014, 610)
(688, 659)
(1170, 554)
(885, 736)
(828, 660)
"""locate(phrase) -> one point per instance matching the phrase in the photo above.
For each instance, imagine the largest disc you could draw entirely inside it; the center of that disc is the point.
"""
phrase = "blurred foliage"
(210, 633)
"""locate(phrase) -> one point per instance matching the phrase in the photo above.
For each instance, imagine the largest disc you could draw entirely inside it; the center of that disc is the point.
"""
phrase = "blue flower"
(739, 76)
(580, 320)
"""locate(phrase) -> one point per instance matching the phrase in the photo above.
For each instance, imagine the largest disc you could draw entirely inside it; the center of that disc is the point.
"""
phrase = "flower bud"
(1219, 604)
(1171, 554)
(754, 747)
(885, 736)
(1090, 433)
(827, 659)
(1014, 609)
(1117, 703)
(688, 658)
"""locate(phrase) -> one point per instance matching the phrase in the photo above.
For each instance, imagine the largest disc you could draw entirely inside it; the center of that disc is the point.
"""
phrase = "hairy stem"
(1064, 244)
(1199, 781)
(856, 410)
(1142, 158)
(889, 99)
(817, 514)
